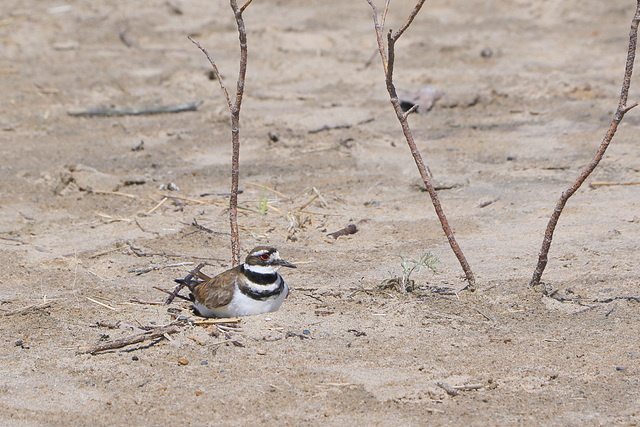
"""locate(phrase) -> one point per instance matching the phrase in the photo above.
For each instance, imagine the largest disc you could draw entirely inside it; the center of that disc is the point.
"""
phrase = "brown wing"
(202, 276)
(216, 291)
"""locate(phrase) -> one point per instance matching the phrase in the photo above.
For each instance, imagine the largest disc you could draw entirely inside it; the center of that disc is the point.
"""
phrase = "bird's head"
(265, 260)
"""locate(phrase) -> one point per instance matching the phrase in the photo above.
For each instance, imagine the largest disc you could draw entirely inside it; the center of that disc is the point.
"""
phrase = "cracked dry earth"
(526, 92)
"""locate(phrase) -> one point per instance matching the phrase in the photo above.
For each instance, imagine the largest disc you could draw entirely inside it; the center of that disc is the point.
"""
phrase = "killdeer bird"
(254, 287)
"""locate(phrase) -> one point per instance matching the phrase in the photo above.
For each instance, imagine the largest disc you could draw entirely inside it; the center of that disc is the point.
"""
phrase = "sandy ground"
(515, 128)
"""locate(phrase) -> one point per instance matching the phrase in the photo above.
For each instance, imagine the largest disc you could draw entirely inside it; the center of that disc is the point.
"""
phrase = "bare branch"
(388, 59)
(379, 28)
(246, 5)
(617, 118)
(234, 108)
(384, 13)
(391, 59)
(413, 108)
(235, 132)
(634, 105)
(215, 69)
(409, 20)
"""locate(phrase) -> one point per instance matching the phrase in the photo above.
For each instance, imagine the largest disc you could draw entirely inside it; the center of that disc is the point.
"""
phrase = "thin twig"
(227, 335)
(383, 54)
(143, 270)
(409, 20)
(413, 108)
(173, 294)
(245, 6)
(143, 230)
(388, 59)
(178, 288)
(215, 70)
(617, 118)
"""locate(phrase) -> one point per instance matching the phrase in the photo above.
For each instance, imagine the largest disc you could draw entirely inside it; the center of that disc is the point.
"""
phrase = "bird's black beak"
(285, 264)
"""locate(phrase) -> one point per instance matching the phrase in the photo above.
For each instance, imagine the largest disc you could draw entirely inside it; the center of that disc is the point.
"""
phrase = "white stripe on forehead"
(260, 252)
(275, 253)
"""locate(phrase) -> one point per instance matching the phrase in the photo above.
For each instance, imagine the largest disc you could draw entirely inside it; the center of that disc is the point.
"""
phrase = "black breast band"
(262, 279)
(259, 278)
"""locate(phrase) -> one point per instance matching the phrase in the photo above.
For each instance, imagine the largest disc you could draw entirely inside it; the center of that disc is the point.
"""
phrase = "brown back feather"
(217, 291)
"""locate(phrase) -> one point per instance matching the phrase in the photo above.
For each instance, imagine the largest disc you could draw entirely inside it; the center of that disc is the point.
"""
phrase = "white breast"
(242, 305)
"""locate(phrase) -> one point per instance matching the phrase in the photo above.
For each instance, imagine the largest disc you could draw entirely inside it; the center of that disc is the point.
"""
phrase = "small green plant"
(262, 203)
(404, 283)
(427, 260)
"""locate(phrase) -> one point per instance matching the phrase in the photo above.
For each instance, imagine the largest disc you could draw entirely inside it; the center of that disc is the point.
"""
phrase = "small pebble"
(169, 186)
(21, 344)
(261, 352)
(306, 332)
(204, 362)
(620, 368)
(183, 361)
(135, 358)
(487, 52)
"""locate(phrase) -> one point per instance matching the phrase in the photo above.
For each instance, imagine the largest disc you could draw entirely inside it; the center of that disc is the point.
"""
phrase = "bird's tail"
(188, 282)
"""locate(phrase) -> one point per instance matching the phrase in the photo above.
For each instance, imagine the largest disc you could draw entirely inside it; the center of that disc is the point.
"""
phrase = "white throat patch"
(262, 269)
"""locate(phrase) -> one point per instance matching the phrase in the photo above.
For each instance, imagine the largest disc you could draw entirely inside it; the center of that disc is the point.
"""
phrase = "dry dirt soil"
(529, 89)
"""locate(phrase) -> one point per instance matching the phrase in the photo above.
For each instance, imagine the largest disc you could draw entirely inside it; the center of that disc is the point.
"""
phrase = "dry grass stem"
(212, 321)
(115, 193)
(101, 304)
(109, 218)
(164, 199)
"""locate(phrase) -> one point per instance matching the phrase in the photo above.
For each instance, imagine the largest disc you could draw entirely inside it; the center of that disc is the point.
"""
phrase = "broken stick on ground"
(135, 111)
(157, 333)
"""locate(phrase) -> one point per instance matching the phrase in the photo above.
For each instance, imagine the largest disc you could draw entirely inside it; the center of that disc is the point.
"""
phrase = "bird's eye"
(265, 257)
